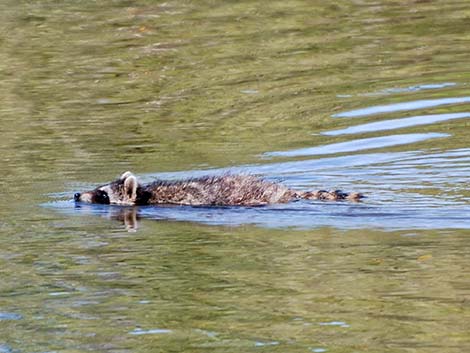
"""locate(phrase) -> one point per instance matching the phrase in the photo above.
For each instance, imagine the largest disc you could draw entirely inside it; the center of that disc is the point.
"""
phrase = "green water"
(174, 89)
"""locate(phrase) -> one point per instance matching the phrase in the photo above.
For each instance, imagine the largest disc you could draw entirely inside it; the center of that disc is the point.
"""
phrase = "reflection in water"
(398, 123)
(404, 106)
(128, 216)
(358, 145)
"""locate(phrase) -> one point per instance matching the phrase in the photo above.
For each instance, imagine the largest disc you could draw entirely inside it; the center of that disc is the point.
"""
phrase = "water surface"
(356, 95)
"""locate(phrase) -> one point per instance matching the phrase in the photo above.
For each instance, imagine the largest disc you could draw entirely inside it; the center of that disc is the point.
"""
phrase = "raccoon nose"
(76, 197)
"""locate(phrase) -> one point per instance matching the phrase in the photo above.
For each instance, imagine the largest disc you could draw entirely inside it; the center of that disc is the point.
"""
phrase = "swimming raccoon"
(223, 190)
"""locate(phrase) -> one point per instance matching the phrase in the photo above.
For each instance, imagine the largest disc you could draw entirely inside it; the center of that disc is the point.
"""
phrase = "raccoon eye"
(101, 197)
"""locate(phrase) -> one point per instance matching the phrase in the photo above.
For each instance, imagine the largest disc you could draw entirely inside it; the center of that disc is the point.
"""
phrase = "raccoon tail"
(335, 195)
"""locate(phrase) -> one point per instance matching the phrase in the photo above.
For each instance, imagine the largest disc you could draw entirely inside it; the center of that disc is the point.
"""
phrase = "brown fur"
(225, 190)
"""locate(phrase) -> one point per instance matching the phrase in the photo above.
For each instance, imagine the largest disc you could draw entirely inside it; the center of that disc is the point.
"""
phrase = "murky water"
(357, 95)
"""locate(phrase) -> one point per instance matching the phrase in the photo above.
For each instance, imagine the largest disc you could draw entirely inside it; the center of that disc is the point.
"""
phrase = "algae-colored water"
(369, 96)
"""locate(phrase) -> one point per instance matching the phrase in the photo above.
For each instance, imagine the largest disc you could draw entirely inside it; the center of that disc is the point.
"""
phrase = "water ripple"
(419, 87)
(139, 331)
(405, 106)
(10, 316)
(398, 123)
(398, 90)
(358, 145)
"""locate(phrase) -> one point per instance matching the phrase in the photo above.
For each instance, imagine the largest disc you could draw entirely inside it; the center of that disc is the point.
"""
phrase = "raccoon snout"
(76, 197)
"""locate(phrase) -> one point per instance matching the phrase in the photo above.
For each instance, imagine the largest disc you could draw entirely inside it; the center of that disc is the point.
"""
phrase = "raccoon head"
(119, 192)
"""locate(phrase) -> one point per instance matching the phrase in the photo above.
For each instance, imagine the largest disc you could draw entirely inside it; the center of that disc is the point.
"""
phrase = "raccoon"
(223, 190)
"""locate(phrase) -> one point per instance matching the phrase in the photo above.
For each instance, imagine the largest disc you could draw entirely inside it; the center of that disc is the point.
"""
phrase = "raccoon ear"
(125, 175)
(130, 187)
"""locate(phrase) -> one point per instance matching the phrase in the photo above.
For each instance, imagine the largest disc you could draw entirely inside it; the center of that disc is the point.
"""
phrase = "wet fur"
(225, 190)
